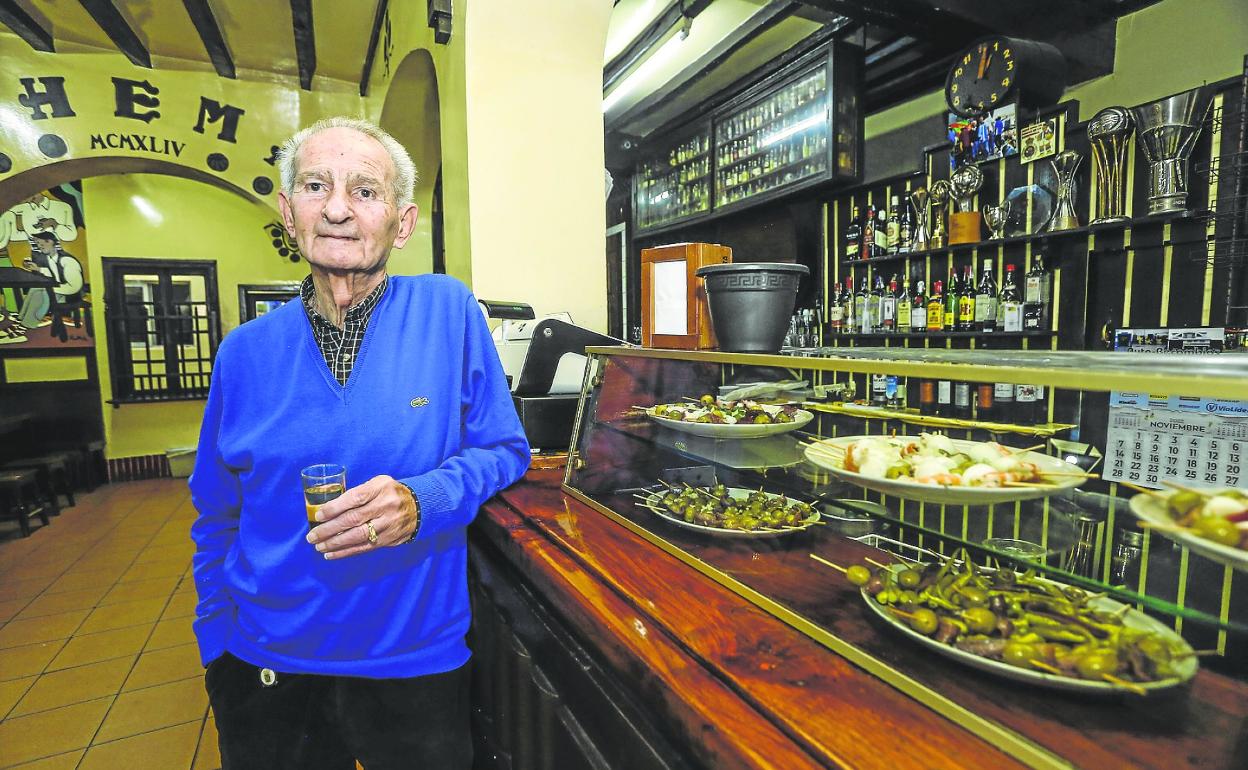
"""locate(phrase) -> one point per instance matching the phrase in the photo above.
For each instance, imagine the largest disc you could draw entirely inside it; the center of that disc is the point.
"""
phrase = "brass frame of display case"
(1223, 378)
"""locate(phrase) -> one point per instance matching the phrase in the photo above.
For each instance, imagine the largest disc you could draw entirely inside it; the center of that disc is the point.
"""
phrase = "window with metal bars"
(164, 325)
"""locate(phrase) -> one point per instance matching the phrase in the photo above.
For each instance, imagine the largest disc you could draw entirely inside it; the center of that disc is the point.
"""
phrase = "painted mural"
(45, 291)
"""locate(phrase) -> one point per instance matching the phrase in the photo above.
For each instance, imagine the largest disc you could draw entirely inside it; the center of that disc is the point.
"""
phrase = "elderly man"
(347, 641)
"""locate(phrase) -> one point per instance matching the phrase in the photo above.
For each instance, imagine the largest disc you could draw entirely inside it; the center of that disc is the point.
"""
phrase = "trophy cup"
(996, 217)
(1167, 129)
(1109, 133)
(1065, 166)
(965, 224)
(919, 239)
(940, 199)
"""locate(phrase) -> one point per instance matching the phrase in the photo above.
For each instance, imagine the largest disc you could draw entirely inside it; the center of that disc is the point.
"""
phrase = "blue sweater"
(426, 403)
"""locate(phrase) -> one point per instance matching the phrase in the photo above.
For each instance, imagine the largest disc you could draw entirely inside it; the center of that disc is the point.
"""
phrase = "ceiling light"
(643, 71)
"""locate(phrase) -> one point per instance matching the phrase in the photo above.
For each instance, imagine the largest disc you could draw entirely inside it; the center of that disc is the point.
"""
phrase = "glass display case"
(674, 183)
(799, 128)
(782, 500)
(778, 139)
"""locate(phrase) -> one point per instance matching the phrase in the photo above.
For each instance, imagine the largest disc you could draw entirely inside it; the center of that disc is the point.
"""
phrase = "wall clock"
(999, 69)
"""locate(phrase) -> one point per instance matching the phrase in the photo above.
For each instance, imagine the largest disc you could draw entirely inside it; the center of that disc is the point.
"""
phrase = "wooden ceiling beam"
(374, 38)
(210, 34)
(305, 41)
(24, 26)
(118, 30)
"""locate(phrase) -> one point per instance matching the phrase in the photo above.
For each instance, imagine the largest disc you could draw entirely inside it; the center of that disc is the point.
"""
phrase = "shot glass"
(321, 483)
(1019, 549)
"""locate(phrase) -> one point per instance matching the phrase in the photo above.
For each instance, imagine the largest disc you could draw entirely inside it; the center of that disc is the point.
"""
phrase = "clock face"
(982, 77)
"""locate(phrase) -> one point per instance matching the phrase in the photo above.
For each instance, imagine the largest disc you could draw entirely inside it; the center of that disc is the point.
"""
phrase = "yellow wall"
(164, 217)
(1163, 49)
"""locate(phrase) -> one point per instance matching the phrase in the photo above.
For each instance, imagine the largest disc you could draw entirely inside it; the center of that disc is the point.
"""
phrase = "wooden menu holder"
(674, 312)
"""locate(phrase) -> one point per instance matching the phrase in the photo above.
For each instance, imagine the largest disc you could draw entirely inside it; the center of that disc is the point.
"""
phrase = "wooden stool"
(53, 475)
(19, 497)
(94, 463)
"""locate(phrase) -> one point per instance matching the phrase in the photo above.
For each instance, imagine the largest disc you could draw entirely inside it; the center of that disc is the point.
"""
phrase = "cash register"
(544, 360)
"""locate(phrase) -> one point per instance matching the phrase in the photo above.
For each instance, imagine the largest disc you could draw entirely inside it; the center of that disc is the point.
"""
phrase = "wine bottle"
(881, 231)
(888, 307)
(836, 311)
(894, 226)
(1010, 306)
(952, 289)
(853, 236)
(879, 390)
(905, 309)
(986, 301)
(868, 234)
(918, 309)
(984, 410)
(861, 302)
(936, 308)
(850, 323)
(875, 306)
(962, 400)
(927, 397)
(1037, 295)
(966, 302)
(905, 229)
(944, 398)
(1025, 404)
(1003, 402)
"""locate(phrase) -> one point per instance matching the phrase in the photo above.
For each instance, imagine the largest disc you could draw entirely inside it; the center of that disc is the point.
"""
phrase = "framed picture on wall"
(983, 138)
(254, 300)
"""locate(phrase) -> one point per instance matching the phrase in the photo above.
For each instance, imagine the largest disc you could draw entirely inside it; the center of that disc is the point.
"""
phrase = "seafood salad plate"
(714, 418)
(934, 468)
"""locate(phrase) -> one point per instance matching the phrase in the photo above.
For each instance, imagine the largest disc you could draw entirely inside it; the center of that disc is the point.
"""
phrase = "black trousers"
(311, 722)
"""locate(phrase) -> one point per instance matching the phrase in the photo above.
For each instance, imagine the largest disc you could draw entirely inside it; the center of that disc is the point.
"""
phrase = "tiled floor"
(98, 665)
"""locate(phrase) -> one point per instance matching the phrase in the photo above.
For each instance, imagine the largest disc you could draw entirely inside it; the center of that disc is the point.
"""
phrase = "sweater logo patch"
(419, 401)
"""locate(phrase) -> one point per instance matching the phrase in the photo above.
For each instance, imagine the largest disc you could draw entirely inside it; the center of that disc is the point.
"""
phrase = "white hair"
(405, 175)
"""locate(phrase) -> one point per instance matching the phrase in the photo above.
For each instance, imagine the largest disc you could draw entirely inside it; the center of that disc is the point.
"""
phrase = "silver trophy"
(1109, 133)
(966, 181)
(1167, 129)
(1065, 166)
(940, 202)
(919, 239)
(996, 217)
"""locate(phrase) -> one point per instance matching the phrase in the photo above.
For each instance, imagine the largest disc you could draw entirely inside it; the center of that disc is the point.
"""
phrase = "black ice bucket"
(751, 303)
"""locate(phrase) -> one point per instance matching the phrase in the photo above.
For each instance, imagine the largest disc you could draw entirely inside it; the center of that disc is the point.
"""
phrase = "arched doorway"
(412, 115)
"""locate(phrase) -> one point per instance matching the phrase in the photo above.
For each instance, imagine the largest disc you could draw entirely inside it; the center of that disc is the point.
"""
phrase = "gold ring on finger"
(372, 533)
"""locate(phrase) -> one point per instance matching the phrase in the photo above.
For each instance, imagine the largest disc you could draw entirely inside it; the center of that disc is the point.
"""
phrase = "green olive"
(858, 575)
(1181, 503)
(762, 419)
(1217, 529)
(980, 620)
(906, 597)
(974, 596)
(924, 621)
(908, 578)
(707, 400)
(1094, 665)
(1018, 654)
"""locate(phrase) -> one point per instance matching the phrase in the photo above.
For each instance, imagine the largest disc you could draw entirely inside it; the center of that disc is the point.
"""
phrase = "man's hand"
(46, 224)
(381, 501)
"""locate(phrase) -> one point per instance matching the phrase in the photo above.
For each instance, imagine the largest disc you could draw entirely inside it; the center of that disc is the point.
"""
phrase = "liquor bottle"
(892, 393)
(1025, 404)
(868, 234)
(966, 302)
(905, 308)
(918, 309)
(853, 236)
(1036, 295)
(936, 308)
(1009, 306)
(1003, 402)
(952, 289)
(861, 301)
(894, 226)
(984, 410)
(836, 311)
(962, 400)
(944, 398)
(881, 231)
(879, 390)
(905, 229)
(888, 307)
(986, 301)
(927, 397)
(851, 323)
(875, 306)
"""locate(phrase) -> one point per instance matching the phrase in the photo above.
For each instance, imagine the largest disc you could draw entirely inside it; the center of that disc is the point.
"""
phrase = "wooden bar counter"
(640, 661)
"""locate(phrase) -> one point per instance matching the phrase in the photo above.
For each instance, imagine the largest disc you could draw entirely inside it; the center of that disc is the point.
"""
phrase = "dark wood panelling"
(210, 33)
